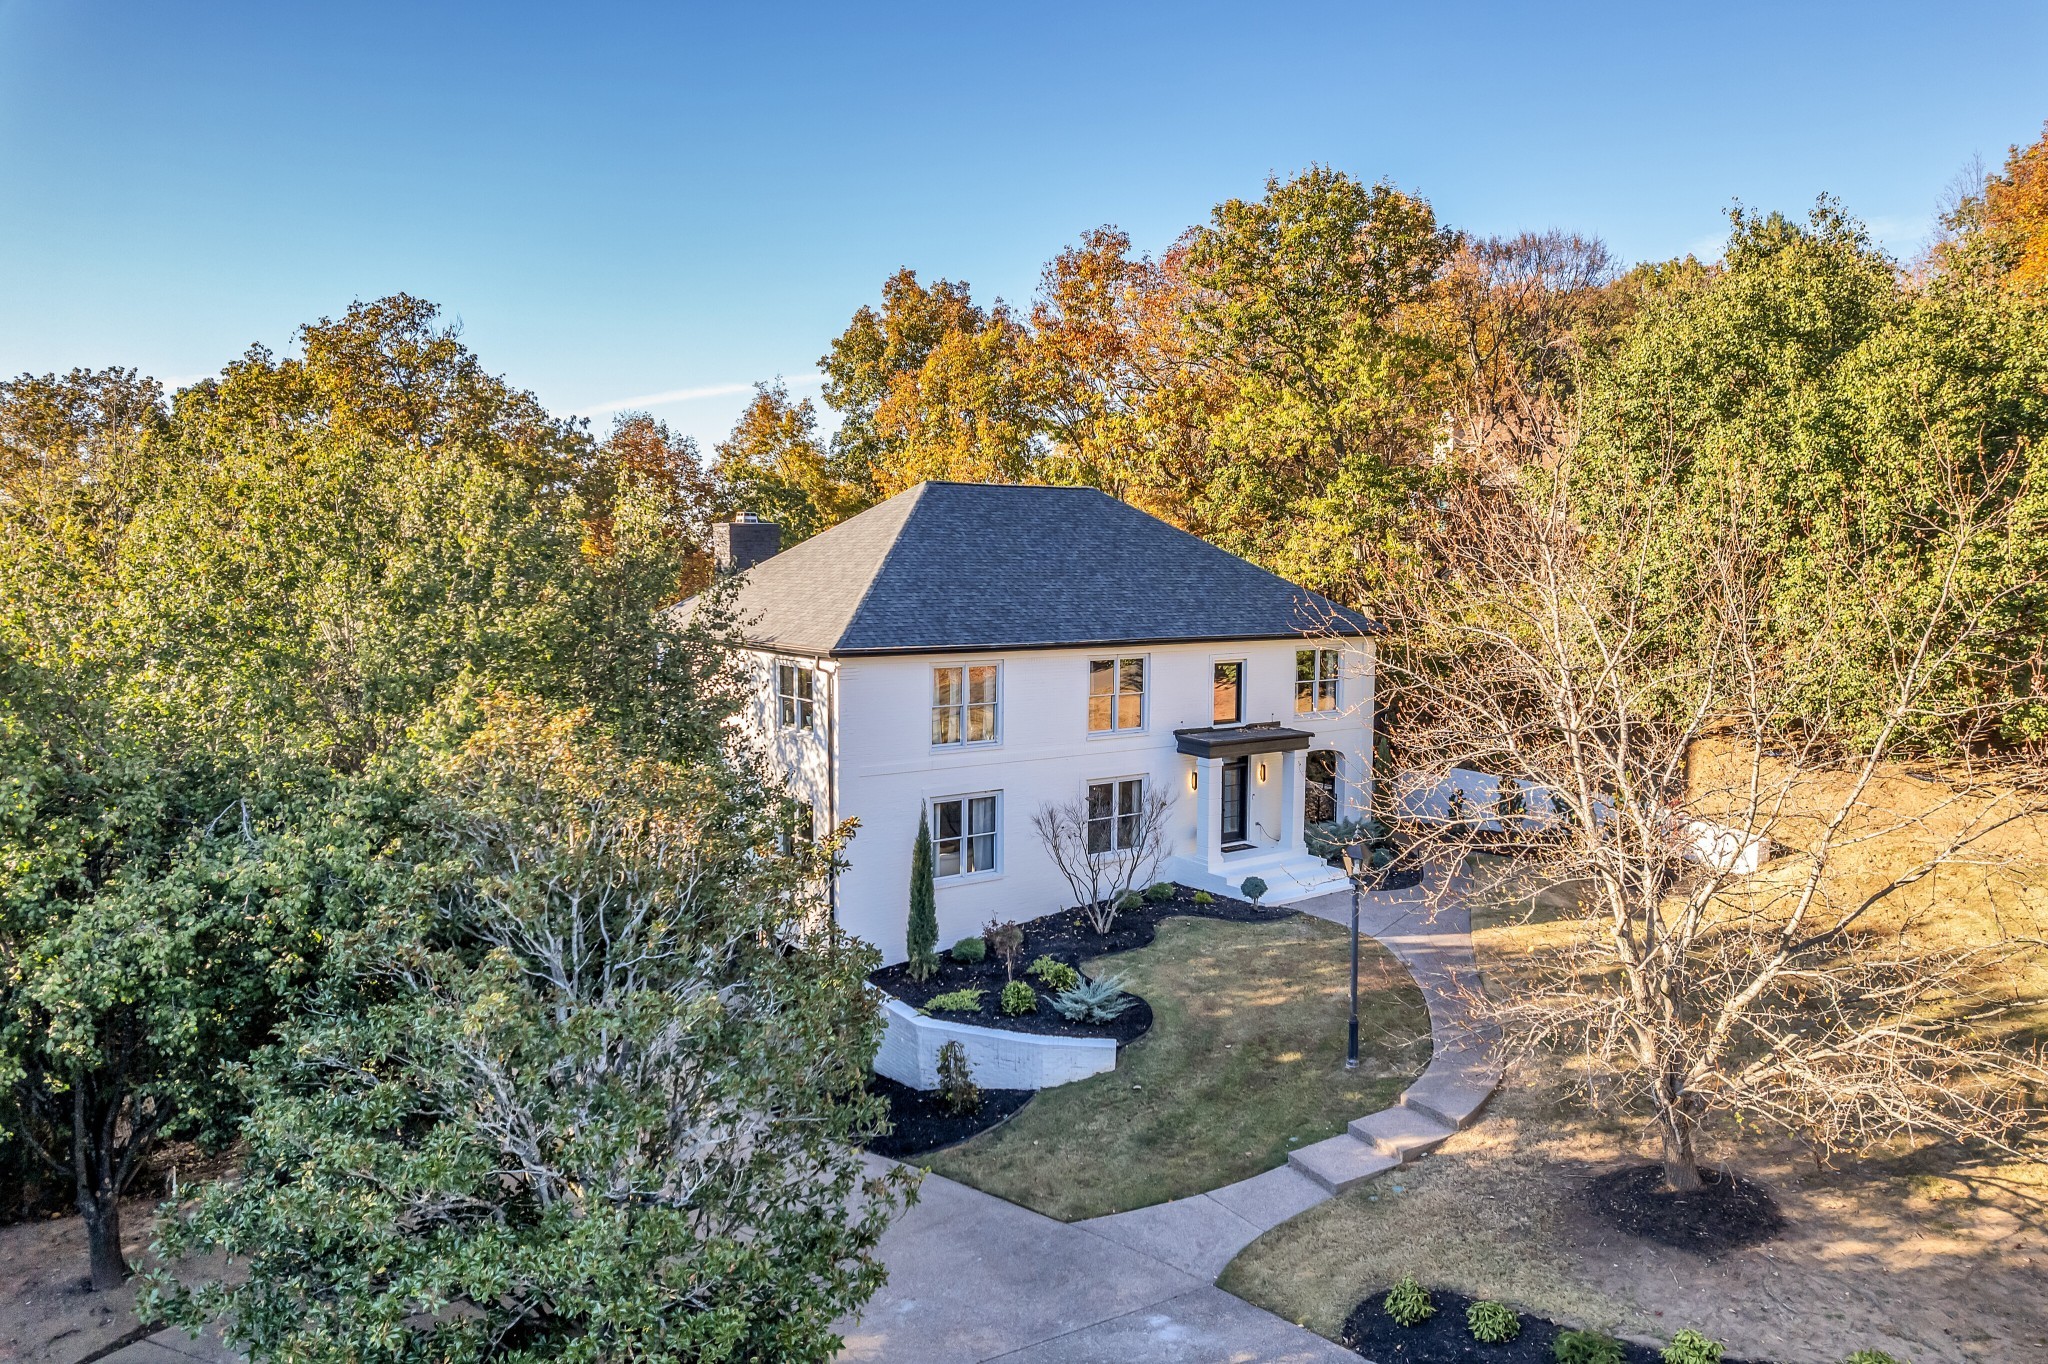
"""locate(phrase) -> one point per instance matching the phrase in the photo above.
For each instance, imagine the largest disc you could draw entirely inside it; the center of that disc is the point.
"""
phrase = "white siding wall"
(887, 767)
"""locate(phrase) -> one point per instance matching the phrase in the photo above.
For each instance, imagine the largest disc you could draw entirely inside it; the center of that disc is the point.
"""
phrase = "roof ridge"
(915, 494)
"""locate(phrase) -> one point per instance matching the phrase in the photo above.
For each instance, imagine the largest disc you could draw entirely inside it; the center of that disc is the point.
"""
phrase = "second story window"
(795, 705)
(1315, 681)
(1228, 708)
(964, 704)
(1116, 694)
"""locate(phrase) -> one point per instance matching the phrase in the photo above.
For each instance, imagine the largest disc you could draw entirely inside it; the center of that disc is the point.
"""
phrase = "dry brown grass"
(1935, 1253)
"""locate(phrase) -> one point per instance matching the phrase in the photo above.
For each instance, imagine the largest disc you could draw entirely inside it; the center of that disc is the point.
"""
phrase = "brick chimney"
(739, 544)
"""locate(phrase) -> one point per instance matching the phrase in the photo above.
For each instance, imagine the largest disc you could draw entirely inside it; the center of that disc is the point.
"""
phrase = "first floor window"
(1315, 680)
(1115, 809)
(794, 697)
(801, 830)
(1116, 694)
(963, 835)
(964, 704)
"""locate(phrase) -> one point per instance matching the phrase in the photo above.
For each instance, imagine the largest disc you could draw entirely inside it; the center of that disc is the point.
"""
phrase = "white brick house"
(975, 651)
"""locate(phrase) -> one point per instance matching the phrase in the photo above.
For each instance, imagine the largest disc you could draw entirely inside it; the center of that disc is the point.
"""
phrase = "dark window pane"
(1101, 682)
(1229, 704)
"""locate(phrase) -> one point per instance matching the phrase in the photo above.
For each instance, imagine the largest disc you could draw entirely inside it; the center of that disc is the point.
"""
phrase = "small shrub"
(1408, 1302)
(1129, 901)
(1054, 974)
(1872, 1357)
(965, 1001)
(1492, 1323)
(1093, 1001)
(968, 950)
(1159, 892)
(1006, 940)
(1203, 897)
(1253, 888)
(1587, 1347)
(1690, 1347)
(957, 1091)
(1019, 998)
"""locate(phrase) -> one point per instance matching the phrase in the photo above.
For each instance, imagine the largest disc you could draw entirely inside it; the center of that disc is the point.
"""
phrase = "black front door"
(1234, 773)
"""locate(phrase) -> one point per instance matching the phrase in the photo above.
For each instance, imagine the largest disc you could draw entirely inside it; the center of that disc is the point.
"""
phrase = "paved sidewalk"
(973, 1278)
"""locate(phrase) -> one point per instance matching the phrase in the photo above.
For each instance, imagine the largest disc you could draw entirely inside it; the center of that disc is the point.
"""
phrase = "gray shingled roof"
(954, 567)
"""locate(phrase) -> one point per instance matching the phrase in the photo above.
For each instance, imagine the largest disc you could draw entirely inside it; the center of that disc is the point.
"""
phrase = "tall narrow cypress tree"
(923, 939)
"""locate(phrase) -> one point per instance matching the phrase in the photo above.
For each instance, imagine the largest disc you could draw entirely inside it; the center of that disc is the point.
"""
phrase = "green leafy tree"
(217, 623)
(1301, 305)
(569, 1092)
(774, 465)
(1840, 401)
(921, 940)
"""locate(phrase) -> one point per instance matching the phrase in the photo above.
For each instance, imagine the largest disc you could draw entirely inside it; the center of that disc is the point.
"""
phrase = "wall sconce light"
(1194, 775)
(1262, 774)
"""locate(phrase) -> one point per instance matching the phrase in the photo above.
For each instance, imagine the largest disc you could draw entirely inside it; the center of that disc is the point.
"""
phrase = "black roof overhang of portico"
(1239, 740)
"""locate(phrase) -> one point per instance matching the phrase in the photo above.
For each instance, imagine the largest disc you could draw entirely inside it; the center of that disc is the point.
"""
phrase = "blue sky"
(619, 201)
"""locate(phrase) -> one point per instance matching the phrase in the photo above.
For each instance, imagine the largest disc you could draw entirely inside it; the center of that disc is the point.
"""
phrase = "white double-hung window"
(964, 835)
(795, 695)
(965, 704)
(1116, 694)
(1315, 681)
(1115, 812)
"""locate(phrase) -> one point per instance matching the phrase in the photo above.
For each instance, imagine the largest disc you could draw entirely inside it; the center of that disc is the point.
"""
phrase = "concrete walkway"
(973, 1278)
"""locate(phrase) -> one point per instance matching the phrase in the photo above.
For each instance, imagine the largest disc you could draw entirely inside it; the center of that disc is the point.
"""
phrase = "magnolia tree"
(1658, 718)
(1102, 853)
(587, 1087)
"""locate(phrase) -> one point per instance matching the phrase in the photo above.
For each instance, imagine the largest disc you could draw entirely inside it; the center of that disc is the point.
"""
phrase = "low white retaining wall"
(999, 1060)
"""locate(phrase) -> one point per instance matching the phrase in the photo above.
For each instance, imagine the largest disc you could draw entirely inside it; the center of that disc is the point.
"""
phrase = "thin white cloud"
(689, 395)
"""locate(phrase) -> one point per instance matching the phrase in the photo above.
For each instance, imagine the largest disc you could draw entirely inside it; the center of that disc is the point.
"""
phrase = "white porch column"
(1209, 814)
(1293, 788)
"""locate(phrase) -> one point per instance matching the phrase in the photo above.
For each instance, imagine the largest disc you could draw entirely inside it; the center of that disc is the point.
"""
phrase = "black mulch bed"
(1726, 1214)
(1444, 1339)
(918, 1122)
(1069, 937)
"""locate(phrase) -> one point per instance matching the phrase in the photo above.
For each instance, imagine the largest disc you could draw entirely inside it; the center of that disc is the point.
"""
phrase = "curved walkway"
(973, 1278)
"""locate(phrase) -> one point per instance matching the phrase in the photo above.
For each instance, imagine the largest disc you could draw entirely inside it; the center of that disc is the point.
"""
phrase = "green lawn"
(1244, 1062)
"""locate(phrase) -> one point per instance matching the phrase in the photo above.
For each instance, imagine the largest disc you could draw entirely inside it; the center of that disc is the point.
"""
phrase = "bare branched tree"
(1104, 854)
(1663, 728)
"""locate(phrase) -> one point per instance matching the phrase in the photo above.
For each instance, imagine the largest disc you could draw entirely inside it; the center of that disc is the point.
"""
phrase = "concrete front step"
(1340, 1163)
(1401, 1134)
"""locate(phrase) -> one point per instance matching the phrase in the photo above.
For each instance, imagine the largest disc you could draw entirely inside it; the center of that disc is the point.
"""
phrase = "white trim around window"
(796, 693)
(967, 704)
(967, 835)
(1119, 697)
(1315, 680)
(1115, 805)
(1234, 688)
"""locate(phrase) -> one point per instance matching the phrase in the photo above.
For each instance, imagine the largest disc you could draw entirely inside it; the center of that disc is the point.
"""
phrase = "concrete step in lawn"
(1341, 1162)
(1401, 1133)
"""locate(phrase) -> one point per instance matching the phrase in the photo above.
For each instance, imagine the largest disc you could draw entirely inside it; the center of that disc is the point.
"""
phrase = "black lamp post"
(1353, 857)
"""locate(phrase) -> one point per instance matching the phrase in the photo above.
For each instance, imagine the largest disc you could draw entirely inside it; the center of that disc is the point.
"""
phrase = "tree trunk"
(1681, 1165)
(103, 1234)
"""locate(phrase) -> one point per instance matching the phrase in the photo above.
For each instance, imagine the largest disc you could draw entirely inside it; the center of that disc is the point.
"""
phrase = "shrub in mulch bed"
(1401, 875)
(919, 1122)
(1069, 937)
(1443, 1339)
(1726, 1214)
